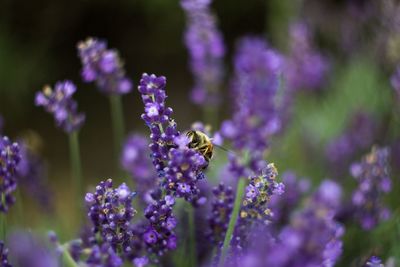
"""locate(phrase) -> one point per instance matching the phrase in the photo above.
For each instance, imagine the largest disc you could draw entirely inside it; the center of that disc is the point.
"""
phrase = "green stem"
(75, 159)
(67, 259)
(232, 221)
(192, 235)
(3, 226)
(117, 117)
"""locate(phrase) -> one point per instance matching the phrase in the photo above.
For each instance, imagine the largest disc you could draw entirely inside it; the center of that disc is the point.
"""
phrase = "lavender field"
(260, 133)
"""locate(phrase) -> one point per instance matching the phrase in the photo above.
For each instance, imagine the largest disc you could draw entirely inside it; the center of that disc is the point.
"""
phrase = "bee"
(200, 142)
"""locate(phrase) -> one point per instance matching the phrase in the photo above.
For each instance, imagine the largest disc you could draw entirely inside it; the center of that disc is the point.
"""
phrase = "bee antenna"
(225, 149)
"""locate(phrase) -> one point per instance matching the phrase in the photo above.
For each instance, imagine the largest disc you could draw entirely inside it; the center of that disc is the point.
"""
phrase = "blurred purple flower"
(395, 81)
(32, 175)
(374, 262)
(206, 49)
(221, 208)
(282, 206)
(358, 136)
(4, 255)
(27, 250)
(10, 158)
(103, 66)
(313, 237)
(60, 103)
(306, 69)
(372, 175)
(136, 161)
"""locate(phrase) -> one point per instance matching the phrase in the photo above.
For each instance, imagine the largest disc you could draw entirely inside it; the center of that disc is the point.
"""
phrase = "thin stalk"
(75, 159)
(232, 220)
(67, 259)
(192, 235)
(3, 219)
(117, 117)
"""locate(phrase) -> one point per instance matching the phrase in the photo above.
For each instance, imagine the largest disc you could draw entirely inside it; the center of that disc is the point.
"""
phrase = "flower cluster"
(282, 206)
(178, 167)
(221, 208)
(60, 103)
(111, 212)
(158, 118)
(135, 160)
(103, 66)
(4, 255)
(255, 84)
(372, 175)
(313, 236)
(359, 135)
(103, 255)
(9, 161)
(206, 49)
(306, 69)
(258, 194)
(159, 235)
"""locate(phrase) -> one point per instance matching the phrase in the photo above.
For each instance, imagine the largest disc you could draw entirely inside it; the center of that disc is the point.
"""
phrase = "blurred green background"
(38, 46)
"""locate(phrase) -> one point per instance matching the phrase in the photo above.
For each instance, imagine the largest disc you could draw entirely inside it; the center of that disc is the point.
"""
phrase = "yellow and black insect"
(200, 142)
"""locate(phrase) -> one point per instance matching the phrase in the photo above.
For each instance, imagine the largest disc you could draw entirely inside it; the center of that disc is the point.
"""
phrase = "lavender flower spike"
(206, 49)
(103, 66)
(374, 262)
(9, 160)
(60, 103)
(372, 175)
(4, 255)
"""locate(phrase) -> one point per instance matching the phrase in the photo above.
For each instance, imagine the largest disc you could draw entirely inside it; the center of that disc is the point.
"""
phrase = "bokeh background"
(38, 46)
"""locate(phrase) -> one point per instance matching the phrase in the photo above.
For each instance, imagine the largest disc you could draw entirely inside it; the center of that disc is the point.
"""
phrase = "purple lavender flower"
(158, 118)
(206, 49)
(178, 166)
(374, 262)
(27, 250)
(103, 256)
(258, 194)
(4, 255)
(359, 135)
(372, 175)
(313, 236)
(32, 173)
(282, 206)
(59, 102)
(111, 212)
(103, 66)
(395, 81)
(9, 161)
(255, 85)
(306, 68)
(221, 208)
(136, 160)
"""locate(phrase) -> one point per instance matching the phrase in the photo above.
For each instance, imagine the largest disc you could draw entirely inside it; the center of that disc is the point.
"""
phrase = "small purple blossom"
(60, 103)
(206, 49)
(372, 175)
(10, 158)
(103, 66)
(140, 261)
(374, 262)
